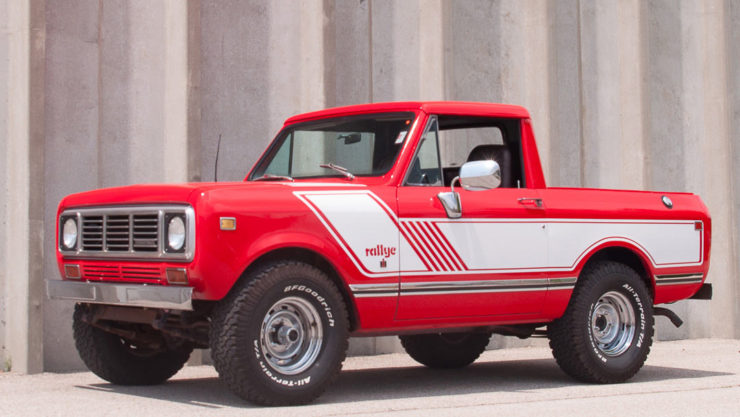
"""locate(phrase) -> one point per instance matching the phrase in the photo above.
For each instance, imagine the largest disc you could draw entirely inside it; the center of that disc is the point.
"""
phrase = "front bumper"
(132, 295)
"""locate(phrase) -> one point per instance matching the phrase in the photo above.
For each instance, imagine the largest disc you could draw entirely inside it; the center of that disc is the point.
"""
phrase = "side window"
(280, 164)
(466, 139)
(425, 167)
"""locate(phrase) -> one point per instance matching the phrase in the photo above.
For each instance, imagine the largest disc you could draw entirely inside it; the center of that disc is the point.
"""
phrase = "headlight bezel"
(168, 219)
(63, 221)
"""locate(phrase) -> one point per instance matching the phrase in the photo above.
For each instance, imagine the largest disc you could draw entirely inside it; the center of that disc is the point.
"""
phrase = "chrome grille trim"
(117, 232)
(145, 235)
(92, 233)
(127, 232)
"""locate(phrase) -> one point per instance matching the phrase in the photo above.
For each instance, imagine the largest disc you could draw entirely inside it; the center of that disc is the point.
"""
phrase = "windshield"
(364, 145)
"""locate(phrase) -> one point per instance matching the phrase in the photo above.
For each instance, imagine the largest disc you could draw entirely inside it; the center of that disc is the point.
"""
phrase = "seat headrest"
(498, 153)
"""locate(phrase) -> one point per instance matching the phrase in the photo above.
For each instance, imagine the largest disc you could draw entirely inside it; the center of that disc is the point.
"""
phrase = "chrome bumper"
(132, 295)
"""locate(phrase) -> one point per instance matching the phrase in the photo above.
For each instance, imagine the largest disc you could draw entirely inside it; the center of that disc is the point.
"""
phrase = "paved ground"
(686, 378)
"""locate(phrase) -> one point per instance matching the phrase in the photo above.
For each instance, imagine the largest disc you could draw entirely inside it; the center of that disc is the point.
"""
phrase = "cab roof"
(437, 107)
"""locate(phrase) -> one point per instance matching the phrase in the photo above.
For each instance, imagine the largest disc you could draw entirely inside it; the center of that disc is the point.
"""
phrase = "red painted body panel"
(269, 217)
(569, 203)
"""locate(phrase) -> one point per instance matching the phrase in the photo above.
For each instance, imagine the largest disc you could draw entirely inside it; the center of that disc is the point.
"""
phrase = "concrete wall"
(4, 172)
(21, 191)
(628, 94)
(116, 113)
(732, 67)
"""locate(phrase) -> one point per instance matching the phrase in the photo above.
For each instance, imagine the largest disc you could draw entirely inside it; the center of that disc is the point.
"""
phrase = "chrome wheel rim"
(291, 335)
(613, 323)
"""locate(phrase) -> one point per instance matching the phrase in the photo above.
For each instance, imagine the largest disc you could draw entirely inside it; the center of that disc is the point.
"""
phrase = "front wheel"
(445, 350)
(151, 360)
(607, 330)
(280, 336)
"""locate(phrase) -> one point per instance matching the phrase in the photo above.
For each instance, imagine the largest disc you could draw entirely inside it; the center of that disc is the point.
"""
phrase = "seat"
(498, 153)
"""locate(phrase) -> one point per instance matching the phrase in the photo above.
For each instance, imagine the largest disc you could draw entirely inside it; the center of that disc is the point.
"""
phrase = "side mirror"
(474, 176)
(480, 175)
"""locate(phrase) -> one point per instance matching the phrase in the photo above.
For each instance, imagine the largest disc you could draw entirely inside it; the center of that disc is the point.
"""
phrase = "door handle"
(537, 202)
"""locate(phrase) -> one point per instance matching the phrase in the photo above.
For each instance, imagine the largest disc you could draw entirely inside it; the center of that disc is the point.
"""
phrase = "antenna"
(215, 168)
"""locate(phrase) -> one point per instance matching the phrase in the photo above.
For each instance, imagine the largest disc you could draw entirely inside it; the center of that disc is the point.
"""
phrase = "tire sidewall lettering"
(280, 379)
(324, 306)
(322, 302)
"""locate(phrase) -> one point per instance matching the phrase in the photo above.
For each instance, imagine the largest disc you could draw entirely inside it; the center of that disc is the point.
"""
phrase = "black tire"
(445, 350)
(593, 341)
(121, 362)
(266, 315)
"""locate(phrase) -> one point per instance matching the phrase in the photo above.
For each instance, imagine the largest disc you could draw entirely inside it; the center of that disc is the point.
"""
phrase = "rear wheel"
(606, 332)
(445, 350)
(124, 361)
(280, 336)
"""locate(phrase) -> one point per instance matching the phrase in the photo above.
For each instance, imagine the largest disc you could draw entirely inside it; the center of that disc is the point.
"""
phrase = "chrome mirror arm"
(451, 201)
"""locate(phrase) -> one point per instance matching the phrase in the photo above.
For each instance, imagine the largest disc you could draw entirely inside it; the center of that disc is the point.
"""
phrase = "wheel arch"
(627, 255)
(311, 257)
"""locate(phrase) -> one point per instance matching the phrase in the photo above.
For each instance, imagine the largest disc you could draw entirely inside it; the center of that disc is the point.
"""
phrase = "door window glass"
(425, 167)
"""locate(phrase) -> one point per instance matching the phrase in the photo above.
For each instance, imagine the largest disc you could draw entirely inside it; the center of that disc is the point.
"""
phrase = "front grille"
(117, 232)
(122, 272)
(101, 272)
(146, 231)
(92, 233)
(128, 232)
(121, 232)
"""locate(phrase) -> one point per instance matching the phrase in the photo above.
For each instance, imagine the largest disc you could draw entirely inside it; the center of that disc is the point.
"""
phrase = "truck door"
(488, 262)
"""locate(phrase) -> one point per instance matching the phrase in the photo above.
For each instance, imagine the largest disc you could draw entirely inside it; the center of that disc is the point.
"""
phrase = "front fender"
(220, 274)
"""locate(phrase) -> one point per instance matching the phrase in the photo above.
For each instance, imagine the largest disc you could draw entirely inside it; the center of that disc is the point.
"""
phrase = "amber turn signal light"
(72, 272)
(228, 223)
(177, 276)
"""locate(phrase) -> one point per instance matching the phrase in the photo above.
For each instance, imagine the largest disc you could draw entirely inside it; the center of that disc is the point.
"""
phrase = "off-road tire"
(445, 350)
(581, 340)
(115, 360)
(247, 333)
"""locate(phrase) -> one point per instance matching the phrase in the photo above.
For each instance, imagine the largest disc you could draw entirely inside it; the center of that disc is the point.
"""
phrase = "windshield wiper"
(342, 170)
(270, 177)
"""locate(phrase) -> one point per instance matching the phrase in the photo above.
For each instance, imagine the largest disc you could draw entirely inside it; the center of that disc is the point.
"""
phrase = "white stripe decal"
(505, 245)
(374, 238)
(434, 256)
(424, 226)
(415, 246)
(319, 184)
(365, 228)
(449, 253)
(456, 256)
(419, 247)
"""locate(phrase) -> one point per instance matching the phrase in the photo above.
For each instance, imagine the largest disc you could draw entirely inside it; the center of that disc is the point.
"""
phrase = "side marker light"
(228, 223)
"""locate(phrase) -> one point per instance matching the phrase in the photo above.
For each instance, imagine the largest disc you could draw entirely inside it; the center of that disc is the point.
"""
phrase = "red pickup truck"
(427, 220)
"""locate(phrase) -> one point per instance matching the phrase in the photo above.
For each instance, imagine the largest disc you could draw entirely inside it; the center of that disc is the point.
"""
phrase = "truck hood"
(175, 193)
(148, 193)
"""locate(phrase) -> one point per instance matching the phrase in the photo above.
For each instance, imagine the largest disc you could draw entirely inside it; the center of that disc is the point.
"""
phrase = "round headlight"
(176, 233)
(69, 234)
